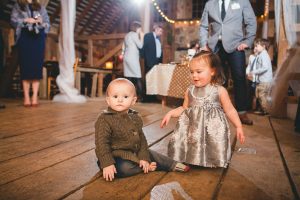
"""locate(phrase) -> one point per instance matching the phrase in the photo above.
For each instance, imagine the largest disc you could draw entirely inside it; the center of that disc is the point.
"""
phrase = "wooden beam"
(85, 11)
(90, 52)
(55, 14)
(116, 14)
(91, 18)
(109, 54)
(101, 37)
(109, 18)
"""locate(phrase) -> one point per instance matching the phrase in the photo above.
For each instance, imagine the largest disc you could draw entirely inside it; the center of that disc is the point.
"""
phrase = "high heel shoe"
(35, 105)
(27, 105)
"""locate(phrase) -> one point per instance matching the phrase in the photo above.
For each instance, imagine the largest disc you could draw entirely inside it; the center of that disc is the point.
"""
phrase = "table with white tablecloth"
(168, 80)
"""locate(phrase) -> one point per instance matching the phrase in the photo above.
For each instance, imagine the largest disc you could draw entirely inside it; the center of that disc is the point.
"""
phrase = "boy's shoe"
(261, 112)
(180, 167)
(258, 112)
(265, 113)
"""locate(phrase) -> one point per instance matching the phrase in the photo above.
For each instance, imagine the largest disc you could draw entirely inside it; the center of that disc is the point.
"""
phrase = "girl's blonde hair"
(214, 62)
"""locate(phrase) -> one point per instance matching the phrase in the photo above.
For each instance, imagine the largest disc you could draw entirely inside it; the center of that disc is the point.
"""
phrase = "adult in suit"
(133, 42)
(232, 29)
(152, 51)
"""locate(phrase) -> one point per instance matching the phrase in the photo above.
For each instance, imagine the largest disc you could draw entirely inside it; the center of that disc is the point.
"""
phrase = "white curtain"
(290, 65)
(277, 7)
(65, 79)
(289, 8)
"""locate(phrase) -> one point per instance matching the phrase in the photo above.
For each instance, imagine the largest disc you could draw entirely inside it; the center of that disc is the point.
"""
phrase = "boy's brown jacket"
(120, 134)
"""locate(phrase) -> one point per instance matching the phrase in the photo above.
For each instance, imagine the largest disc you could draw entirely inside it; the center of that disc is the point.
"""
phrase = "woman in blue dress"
(31, 21)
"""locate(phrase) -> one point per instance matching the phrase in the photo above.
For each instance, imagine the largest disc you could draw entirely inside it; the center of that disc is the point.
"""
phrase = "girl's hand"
(109, 172)
(240, 135)
(144, 165)
(165, 120)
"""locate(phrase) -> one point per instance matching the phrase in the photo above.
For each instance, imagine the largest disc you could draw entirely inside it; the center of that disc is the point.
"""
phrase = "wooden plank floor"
(48, 153)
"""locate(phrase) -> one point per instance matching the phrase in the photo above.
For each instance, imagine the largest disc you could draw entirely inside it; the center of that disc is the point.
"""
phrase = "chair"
(52, 72)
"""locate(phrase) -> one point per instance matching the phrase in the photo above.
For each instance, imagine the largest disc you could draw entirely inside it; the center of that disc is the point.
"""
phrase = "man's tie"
(223, 12)
(252, 67)
(253, 63)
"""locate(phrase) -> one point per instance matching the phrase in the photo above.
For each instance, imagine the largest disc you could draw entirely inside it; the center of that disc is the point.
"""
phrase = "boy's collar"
(109, 110)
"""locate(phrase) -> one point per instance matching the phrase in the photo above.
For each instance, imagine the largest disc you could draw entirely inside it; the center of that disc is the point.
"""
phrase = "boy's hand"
(144, 165)
(250, 76)
(165, 120)
(240, 135)
(109, 172)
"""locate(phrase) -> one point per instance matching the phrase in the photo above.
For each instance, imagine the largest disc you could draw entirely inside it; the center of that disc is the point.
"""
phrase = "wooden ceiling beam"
(114, 17)
(55, 13)
(85, 11)
(92, 17)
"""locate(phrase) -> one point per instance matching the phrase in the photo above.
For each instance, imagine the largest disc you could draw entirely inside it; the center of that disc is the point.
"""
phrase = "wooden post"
(279, 105)
(145, 16)
(266, 20)
(90, 52)
(100, 84)
(282, 44)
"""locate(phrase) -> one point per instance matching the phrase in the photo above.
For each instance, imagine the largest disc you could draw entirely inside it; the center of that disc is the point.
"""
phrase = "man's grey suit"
(224, 37)
(238, 15)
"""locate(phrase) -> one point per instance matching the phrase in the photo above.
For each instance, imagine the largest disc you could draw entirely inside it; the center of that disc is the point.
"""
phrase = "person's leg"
(238, 73)
(35, 89)
(26, 88)
(165, 163)
(126, 168)
(251, 94)
(264, 91)
(139, 88)
(237, 64)
(224, 61)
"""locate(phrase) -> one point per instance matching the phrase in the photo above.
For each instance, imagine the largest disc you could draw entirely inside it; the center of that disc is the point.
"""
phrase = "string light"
(171, 21)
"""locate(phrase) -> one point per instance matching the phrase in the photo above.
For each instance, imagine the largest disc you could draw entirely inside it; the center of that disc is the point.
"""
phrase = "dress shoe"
(245, 120)
(2, 106)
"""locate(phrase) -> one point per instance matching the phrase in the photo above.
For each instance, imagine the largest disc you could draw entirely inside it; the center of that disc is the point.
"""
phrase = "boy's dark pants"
(251, 94)
(126, 168)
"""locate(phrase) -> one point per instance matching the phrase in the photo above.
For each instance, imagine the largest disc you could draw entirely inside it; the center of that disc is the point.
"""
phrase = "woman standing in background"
(31, 21)
(133, 42)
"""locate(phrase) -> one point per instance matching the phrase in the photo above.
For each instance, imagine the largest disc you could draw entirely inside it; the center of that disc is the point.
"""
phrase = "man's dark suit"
(149, 52)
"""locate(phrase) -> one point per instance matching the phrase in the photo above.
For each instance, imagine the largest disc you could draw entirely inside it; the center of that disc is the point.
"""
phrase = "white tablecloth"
(158, 79)
(168, 80)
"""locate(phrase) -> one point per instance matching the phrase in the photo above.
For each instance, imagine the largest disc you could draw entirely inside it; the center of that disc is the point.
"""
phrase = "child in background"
(202, 134)
(251, 80)
(263, 74)
(121, 146)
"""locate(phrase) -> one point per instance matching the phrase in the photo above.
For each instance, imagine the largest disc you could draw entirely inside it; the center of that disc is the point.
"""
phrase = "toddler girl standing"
(202, 134)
